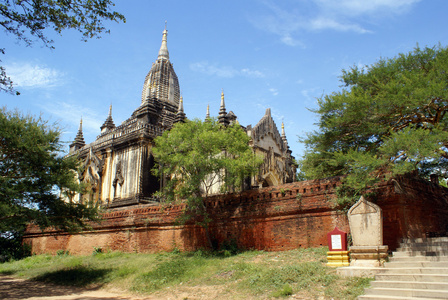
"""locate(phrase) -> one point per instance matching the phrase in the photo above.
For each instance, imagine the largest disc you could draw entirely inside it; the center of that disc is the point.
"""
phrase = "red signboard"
(337, 240)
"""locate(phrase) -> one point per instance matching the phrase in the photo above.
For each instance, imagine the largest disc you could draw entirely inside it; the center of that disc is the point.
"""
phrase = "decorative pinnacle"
(180, 116)
(223, 104)
(109, 123)
(222, 111)
(181, 104)
(207, 115)
(79, 139)
(163, 52)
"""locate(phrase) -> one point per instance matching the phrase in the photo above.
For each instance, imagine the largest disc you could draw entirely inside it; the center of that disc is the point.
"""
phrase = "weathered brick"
(296, 215)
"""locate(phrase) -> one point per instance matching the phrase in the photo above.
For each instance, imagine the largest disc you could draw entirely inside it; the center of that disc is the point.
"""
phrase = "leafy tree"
(28, 19)
(389, 118)
(32, 175)
(11, 246)
(197, 155)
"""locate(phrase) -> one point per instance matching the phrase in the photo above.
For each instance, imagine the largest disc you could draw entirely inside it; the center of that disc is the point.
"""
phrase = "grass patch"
(249, 274)
(285, 291)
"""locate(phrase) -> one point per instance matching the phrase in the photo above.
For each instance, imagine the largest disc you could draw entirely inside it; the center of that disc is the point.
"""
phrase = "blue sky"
(264, 54)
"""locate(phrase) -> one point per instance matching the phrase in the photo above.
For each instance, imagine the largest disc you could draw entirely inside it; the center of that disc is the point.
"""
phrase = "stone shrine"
(366, 227)
(117, 165)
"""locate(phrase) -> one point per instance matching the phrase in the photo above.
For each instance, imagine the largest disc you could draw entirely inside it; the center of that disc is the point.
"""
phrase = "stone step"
(420, 253)
(433, 248)
(410, 285)
(415, 271)
(386, 297)
(416, 264)
(412, 277)
(425, 240)
(438, 294)
(418, 258)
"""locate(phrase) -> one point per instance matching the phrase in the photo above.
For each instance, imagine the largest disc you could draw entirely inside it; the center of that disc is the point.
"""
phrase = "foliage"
(97, 250)
(27, 20)
(250, 274)
(197, 156)
(388, 119)
(11, 246)
(32, 175)
(285, 291)
(61, 252)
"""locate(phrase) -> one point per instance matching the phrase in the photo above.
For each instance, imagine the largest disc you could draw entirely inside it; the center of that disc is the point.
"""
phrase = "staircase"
(417, 270)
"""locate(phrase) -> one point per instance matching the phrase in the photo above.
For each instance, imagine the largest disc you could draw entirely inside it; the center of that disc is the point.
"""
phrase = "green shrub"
(62, 252)
(97, 250)
(286, 290)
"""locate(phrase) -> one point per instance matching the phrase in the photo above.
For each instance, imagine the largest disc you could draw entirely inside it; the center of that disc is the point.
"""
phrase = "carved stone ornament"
(93, 168)
(119, 175)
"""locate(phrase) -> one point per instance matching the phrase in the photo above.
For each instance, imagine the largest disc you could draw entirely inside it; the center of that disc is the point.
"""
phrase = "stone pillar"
(366, 227)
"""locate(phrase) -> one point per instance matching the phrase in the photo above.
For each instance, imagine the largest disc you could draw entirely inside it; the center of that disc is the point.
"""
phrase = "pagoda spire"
(79, 139)
(163, 52)
(222, 111)
(207, 115)
(109, 123)
(79, 136)
(285, 141)
(180, 115)
(283, 134)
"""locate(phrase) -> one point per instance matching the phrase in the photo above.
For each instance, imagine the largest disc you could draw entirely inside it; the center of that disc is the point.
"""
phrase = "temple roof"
(161, 82)
(266, 126)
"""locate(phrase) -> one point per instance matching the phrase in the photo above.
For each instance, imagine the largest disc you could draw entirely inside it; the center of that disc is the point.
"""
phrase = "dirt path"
(18, 289)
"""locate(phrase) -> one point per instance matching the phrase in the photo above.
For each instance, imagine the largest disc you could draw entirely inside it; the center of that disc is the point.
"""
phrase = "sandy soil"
(19, 289)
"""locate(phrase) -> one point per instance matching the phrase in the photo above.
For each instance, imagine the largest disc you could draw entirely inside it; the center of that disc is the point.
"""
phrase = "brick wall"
(296, 215)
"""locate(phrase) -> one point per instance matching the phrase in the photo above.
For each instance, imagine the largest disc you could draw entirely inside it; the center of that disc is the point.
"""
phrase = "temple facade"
(117, 165)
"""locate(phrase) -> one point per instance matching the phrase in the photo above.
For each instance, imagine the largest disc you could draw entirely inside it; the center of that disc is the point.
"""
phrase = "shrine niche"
(118, 180)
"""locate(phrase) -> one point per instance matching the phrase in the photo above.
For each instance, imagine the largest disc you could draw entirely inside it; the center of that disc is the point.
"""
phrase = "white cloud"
(323, 23)
(362, 7)
(320, 15)
(224, 71)
(273, 91)
(290, 41)
(28, 75)
(72, 113)
(251, 73)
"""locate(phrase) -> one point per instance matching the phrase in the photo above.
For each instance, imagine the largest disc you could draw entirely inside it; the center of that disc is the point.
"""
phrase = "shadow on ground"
(13, 288)
(80, 276)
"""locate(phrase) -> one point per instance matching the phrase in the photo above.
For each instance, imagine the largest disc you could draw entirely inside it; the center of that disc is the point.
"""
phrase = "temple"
(117, 165)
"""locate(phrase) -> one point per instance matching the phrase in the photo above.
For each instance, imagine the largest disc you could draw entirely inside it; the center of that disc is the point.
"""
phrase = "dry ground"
(20, 289)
